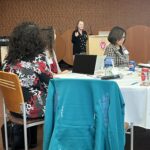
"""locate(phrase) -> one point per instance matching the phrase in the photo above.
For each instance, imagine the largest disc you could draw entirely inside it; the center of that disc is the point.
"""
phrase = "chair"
(13, 101)
(130, 130)
(84, 114)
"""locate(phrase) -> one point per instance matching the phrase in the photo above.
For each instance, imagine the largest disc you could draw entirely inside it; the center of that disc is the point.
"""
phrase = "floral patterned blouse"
(34, 77)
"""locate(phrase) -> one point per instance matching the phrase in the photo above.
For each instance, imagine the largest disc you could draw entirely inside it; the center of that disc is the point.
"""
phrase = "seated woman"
(48, 35)
(27, 60)
(115, 49)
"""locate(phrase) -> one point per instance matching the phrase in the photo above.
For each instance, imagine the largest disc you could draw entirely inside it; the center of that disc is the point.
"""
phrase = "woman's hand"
(65, 71)
(76, 34)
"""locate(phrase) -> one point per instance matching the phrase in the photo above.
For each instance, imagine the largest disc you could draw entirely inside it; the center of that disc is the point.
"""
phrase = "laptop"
(87, 64)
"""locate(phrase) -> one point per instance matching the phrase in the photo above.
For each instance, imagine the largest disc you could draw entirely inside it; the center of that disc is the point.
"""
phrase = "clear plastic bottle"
(108, 66)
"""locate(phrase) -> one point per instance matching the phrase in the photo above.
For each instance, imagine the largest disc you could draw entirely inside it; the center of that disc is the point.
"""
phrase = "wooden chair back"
(138, 43)
(11, 91)
(67, 36)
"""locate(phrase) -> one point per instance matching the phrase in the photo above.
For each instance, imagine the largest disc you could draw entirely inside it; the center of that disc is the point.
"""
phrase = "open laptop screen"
(84, 64)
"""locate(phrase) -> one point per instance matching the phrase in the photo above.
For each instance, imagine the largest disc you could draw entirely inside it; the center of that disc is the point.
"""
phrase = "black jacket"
(79, 42)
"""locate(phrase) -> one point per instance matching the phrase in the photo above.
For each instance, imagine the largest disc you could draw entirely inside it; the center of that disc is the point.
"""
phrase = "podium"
(96, 44)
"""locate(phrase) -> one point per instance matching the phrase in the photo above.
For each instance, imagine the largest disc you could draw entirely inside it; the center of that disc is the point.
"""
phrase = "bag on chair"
(16, 136)
(9, 132)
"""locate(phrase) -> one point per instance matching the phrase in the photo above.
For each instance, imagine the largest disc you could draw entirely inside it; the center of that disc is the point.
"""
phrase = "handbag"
(15, 134)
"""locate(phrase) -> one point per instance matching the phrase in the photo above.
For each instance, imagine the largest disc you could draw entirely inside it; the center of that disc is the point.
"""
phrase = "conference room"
(74, 75)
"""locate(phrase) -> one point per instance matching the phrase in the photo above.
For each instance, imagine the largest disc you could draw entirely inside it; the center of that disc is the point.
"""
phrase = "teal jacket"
(84, 115)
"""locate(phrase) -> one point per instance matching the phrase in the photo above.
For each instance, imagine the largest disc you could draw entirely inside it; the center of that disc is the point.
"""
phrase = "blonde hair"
(76, 28)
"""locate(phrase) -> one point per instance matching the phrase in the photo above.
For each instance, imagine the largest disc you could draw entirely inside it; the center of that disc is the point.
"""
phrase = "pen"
(134, 83)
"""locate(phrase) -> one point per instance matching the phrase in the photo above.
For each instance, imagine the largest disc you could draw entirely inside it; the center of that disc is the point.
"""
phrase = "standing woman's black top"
(79, 42)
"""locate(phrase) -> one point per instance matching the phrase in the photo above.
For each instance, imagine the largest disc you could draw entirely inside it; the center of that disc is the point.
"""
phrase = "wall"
(63, 14)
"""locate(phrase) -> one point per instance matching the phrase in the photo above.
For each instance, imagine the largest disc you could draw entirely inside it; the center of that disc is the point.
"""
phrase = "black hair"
(116, 34)
(25, 43)
(48, 37)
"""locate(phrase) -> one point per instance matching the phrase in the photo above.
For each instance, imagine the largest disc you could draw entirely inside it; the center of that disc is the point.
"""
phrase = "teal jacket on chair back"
(83, 114)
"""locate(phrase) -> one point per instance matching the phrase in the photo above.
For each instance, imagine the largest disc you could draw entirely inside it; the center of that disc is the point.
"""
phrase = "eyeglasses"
(123, 36)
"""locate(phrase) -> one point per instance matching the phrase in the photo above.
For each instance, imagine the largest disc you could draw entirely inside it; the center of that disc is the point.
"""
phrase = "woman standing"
(79, 38)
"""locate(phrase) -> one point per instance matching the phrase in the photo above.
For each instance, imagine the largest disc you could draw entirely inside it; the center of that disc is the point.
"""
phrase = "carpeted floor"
(141, 139)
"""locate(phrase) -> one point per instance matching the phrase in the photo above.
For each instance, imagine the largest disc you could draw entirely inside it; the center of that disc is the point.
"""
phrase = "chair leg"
(5, 126)
(25, 128)
(132, 136)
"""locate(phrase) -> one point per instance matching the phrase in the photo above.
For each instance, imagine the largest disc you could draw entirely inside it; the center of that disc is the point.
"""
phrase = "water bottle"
(108, 64)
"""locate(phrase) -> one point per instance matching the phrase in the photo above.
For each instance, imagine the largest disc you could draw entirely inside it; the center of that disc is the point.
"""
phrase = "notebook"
(87, 64)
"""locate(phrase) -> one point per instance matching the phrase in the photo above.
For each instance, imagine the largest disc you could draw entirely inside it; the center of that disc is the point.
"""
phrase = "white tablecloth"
(136, 97)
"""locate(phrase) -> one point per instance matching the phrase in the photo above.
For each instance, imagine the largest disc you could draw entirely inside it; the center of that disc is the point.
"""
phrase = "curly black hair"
(25, 43)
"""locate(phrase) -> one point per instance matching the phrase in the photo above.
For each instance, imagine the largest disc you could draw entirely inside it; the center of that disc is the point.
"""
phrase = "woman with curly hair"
(26, 58)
